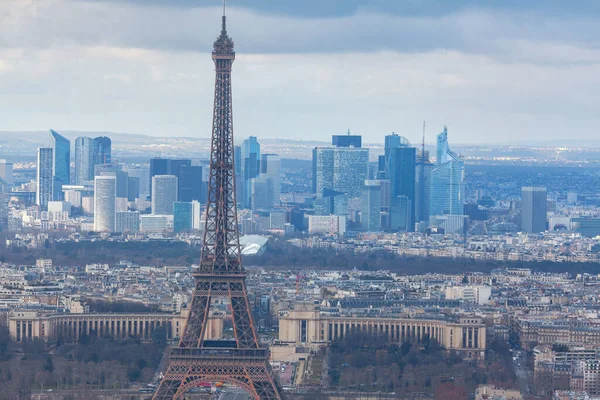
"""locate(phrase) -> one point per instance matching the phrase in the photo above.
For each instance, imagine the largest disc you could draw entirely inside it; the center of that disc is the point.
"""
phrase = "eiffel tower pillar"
(242, 362)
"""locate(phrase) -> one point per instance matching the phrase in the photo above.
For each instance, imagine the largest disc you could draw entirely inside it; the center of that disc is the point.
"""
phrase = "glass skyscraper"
(189, 184)
(422, 187)
(44, 177)
(182, 217)
(61, 168)
(342, 169)
(401, 172)
(84, 159)
(447, 180)
(533, 209)
(250, 167)
(270, 165)
(371, 206)
(102, 150)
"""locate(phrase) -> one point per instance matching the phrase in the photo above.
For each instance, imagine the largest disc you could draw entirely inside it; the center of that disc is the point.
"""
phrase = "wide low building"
(531, 332)
(27, 325)
(305, 324)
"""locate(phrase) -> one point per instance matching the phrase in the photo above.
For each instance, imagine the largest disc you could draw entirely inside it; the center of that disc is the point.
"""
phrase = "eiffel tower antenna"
(241, 362)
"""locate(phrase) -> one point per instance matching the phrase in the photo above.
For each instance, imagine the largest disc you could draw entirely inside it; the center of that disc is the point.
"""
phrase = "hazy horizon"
(498, 72)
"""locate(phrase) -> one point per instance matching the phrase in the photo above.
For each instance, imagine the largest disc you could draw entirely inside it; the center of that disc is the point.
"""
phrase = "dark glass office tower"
(401, 170)
(533, 209)
(158, 166)
(102, 150)
(61, 168)
(190, 186)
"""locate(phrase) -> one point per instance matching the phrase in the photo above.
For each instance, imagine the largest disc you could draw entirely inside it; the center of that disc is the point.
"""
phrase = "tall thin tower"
(242, 362)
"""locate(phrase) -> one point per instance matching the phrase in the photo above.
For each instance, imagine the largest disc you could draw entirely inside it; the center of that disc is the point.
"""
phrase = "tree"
(449, 391)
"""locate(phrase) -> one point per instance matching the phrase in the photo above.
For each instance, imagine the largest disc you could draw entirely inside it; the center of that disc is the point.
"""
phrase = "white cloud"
(128, 68)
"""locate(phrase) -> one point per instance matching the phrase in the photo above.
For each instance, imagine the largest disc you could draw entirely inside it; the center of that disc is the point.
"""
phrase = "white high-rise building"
(196, 216)
(164, 194)
(105, 195)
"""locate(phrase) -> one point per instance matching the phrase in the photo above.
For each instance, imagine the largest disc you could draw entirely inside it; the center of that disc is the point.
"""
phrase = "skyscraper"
(4, 199)
(158, 166)
(271, 167)
(262, 192)
(250, 167)
(533, 209)
(105, 196)
(143, 174)
(371, 206)
(391, 142)
(44, 176)
(6, 171)
(182, 217)
(102, 150)
(164, 194)
(133, 187)
(343, 169)
(400, 213)
(61, 167)
(189, 182)
(422, 186)
(84, 159)
(401, 172)
(116, 171)
(166, 166)
(447, 180)
(347, 140)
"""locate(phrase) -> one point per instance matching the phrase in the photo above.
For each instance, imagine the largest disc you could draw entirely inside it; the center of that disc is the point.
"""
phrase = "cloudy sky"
(493, 71)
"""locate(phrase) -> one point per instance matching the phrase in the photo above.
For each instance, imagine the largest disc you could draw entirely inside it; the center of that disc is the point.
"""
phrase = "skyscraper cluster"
(258, 176)
(405, 190)
(166, 196)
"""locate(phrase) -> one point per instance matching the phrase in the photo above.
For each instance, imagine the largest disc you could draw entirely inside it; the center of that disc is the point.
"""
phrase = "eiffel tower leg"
(167, 390)
(196, 324)
(242, 320)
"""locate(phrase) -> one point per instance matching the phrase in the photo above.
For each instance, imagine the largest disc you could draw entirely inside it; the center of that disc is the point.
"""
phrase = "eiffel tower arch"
(241, 362)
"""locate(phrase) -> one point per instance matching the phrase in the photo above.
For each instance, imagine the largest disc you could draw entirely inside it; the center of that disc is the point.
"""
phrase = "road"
(523, 374)
(233, 393)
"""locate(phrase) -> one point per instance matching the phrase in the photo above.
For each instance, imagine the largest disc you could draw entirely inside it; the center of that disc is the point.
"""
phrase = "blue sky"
(494, 71)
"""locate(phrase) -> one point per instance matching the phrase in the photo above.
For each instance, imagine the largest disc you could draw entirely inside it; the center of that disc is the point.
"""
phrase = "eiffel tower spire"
(242, 362)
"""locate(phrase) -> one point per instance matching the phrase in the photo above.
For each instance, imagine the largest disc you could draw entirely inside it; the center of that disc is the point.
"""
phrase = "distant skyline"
(498, 71)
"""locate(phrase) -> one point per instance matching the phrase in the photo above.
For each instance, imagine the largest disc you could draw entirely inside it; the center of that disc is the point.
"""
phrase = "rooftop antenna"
(423, 142)
(223, 19)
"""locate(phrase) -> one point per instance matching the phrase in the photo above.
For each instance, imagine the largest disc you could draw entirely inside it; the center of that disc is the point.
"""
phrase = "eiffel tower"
(242, 362)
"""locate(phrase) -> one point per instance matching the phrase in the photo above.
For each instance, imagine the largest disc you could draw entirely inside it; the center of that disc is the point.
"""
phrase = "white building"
(474, 294)
(105, 194)
(155, 223)
(327, 224)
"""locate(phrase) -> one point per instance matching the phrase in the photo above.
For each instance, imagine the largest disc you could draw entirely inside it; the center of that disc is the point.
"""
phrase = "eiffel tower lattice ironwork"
(242, 362)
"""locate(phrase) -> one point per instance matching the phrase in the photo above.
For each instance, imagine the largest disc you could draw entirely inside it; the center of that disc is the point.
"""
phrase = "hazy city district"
(139, 267)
